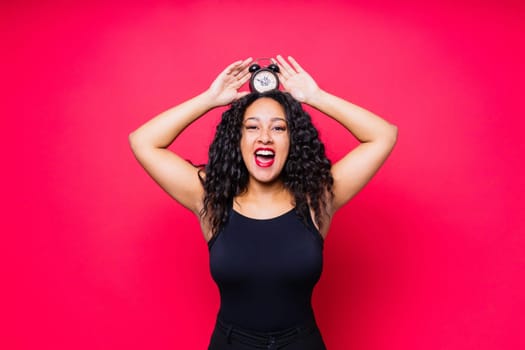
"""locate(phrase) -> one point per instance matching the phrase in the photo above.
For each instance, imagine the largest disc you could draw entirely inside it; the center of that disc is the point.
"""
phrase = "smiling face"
(265, 140)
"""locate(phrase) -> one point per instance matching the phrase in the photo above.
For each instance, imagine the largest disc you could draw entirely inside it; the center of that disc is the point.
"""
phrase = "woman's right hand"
(224, 88)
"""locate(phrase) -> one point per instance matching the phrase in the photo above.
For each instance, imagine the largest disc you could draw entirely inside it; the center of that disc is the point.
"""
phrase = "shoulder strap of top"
(214, 238)
(311, 226)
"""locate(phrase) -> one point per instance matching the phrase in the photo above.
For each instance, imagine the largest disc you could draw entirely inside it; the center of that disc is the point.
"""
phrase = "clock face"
(264, 80)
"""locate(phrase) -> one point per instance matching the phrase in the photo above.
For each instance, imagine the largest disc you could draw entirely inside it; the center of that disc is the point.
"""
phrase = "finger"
(286, 67)
(241, 69)
(282, 74)
(286, 72)
(244, 74)
(296, 65)
(247, 61)
(232, 67)
(243, 80)
(281, 77)
(237, 66)
(236, 84)
(281, 69)
(241, 94)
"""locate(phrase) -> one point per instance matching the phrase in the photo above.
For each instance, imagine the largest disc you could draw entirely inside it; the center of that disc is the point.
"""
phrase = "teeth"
(264, 153)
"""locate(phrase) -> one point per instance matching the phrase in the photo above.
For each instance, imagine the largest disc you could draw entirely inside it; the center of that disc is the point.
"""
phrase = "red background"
(94, 255)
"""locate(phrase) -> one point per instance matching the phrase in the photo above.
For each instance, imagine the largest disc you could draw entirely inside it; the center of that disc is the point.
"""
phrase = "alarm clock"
(264, 79)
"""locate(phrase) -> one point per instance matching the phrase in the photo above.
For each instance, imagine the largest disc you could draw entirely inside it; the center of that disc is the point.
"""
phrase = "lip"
(265, 164)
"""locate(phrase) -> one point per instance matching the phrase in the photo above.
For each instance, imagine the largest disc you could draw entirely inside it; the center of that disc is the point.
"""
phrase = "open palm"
(224, 88)
(296, 80)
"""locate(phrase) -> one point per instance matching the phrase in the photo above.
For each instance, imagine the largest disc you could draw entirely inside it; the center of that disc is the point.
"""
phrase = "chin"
(267, 179)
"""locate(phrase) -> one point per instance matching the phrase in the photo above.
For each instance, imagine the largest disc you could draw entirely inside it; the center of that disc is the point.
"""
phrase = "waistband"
(265, 340)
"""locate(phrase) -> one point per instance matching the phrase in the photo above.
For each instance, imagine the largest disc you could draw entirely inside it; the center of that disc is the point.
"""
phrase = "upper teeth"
(264, 153)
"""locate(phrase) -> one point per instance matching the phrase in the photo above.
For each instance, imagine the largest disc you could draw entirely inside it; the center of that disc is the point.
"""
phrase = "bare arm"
(150, 141)
(377, 136)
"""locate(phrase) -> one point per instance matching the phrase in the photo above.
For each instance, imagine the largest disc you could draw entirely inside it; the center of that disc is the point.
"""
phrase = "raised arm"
(150, 141)
(377, 137)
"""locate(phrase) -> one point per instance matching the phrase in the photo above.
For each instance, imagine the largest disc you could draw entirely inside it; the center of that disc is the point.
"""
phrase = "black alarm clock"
(264, 79)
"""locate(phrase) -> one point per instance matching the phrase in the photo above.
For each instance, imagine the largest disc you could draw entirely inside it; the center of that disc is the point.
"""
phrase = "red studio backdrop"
(94, 255)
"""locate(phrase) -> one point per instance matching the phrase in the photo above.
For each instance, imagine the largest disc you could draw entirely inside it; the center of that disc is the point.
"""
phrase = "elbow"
(140, 143)
(390, 135)
(132, 139)
(135, 141)
(394, 133)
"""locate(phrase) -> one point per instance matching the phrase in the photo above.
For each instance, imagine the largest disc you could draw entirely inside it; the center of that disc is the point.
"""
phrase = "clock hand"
(264, 80)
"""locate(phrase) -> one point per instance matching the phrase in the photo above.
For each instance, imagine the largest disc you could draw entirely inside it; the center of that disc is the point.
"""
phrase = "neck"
(263, 192)
(262, 200)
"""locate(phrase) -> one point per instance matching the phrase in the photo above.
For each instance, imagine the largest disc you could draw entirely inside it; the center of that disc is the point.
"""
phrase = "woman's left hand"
(296, 80)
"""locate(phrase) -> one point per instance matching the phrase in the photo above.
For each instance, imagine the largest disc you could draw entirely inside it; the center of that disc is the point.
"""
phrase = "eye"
(251, 127)
(279, 128)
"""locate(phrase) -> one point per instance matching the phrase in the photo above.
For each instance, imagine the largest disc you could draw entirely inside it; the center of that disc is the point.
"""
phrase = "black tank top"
(266, 270)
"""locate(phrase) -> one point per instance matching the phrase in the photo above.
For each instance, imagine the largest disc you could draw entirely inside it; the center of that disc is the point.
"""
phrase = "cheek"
(286, 144)
(245, 146)
(287, 151)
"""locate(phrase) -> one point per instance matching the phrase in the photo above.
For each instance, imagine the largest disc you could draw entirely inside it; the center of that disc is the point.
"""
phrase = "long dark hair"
(306, 173)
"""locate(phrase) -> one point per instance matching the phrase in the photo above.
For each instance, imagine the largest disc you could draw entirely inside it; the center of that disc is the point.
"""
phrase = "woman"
(266, 198)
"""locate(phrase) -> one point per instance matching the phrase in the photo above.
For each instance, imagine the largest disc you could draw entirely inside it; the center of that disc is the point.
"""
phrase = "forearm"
(163, 129)
(363, 124)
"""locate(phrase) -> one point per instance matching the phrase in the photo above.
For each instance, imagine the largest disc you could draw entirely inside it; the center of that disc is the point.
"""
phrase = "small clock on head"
(264, 79)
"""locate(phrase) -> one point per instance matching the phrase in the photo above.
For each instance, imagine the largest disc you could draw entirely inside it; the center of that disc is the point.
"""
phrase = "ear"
(254, 67)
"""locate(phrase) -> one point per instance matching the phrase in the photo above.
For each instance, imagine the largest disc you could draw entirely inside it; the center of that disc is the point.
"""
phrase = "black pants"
(303, 337)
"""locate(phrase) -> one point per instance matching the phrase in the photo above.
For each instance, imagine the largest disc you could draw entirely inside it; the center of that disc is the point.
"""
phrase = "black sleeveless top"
(266, 270)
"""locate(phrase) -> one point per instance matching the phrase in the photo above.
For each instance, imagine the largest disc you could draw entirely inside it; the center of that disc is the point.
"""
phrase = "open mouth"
(264, 157)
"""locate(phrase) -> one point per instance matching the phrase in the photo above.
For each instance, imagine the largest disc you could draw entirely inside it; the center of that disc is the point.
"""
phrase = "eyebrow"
(272, 119)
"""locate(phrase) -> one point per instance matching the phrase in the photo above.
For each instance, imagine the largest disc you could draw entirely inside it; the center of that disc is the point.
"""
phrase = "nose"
(265, 137)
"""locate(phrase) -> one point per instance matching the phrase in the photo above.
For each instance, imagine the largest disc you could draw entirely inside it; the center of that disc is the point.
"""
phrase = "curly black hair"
(306, 173)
